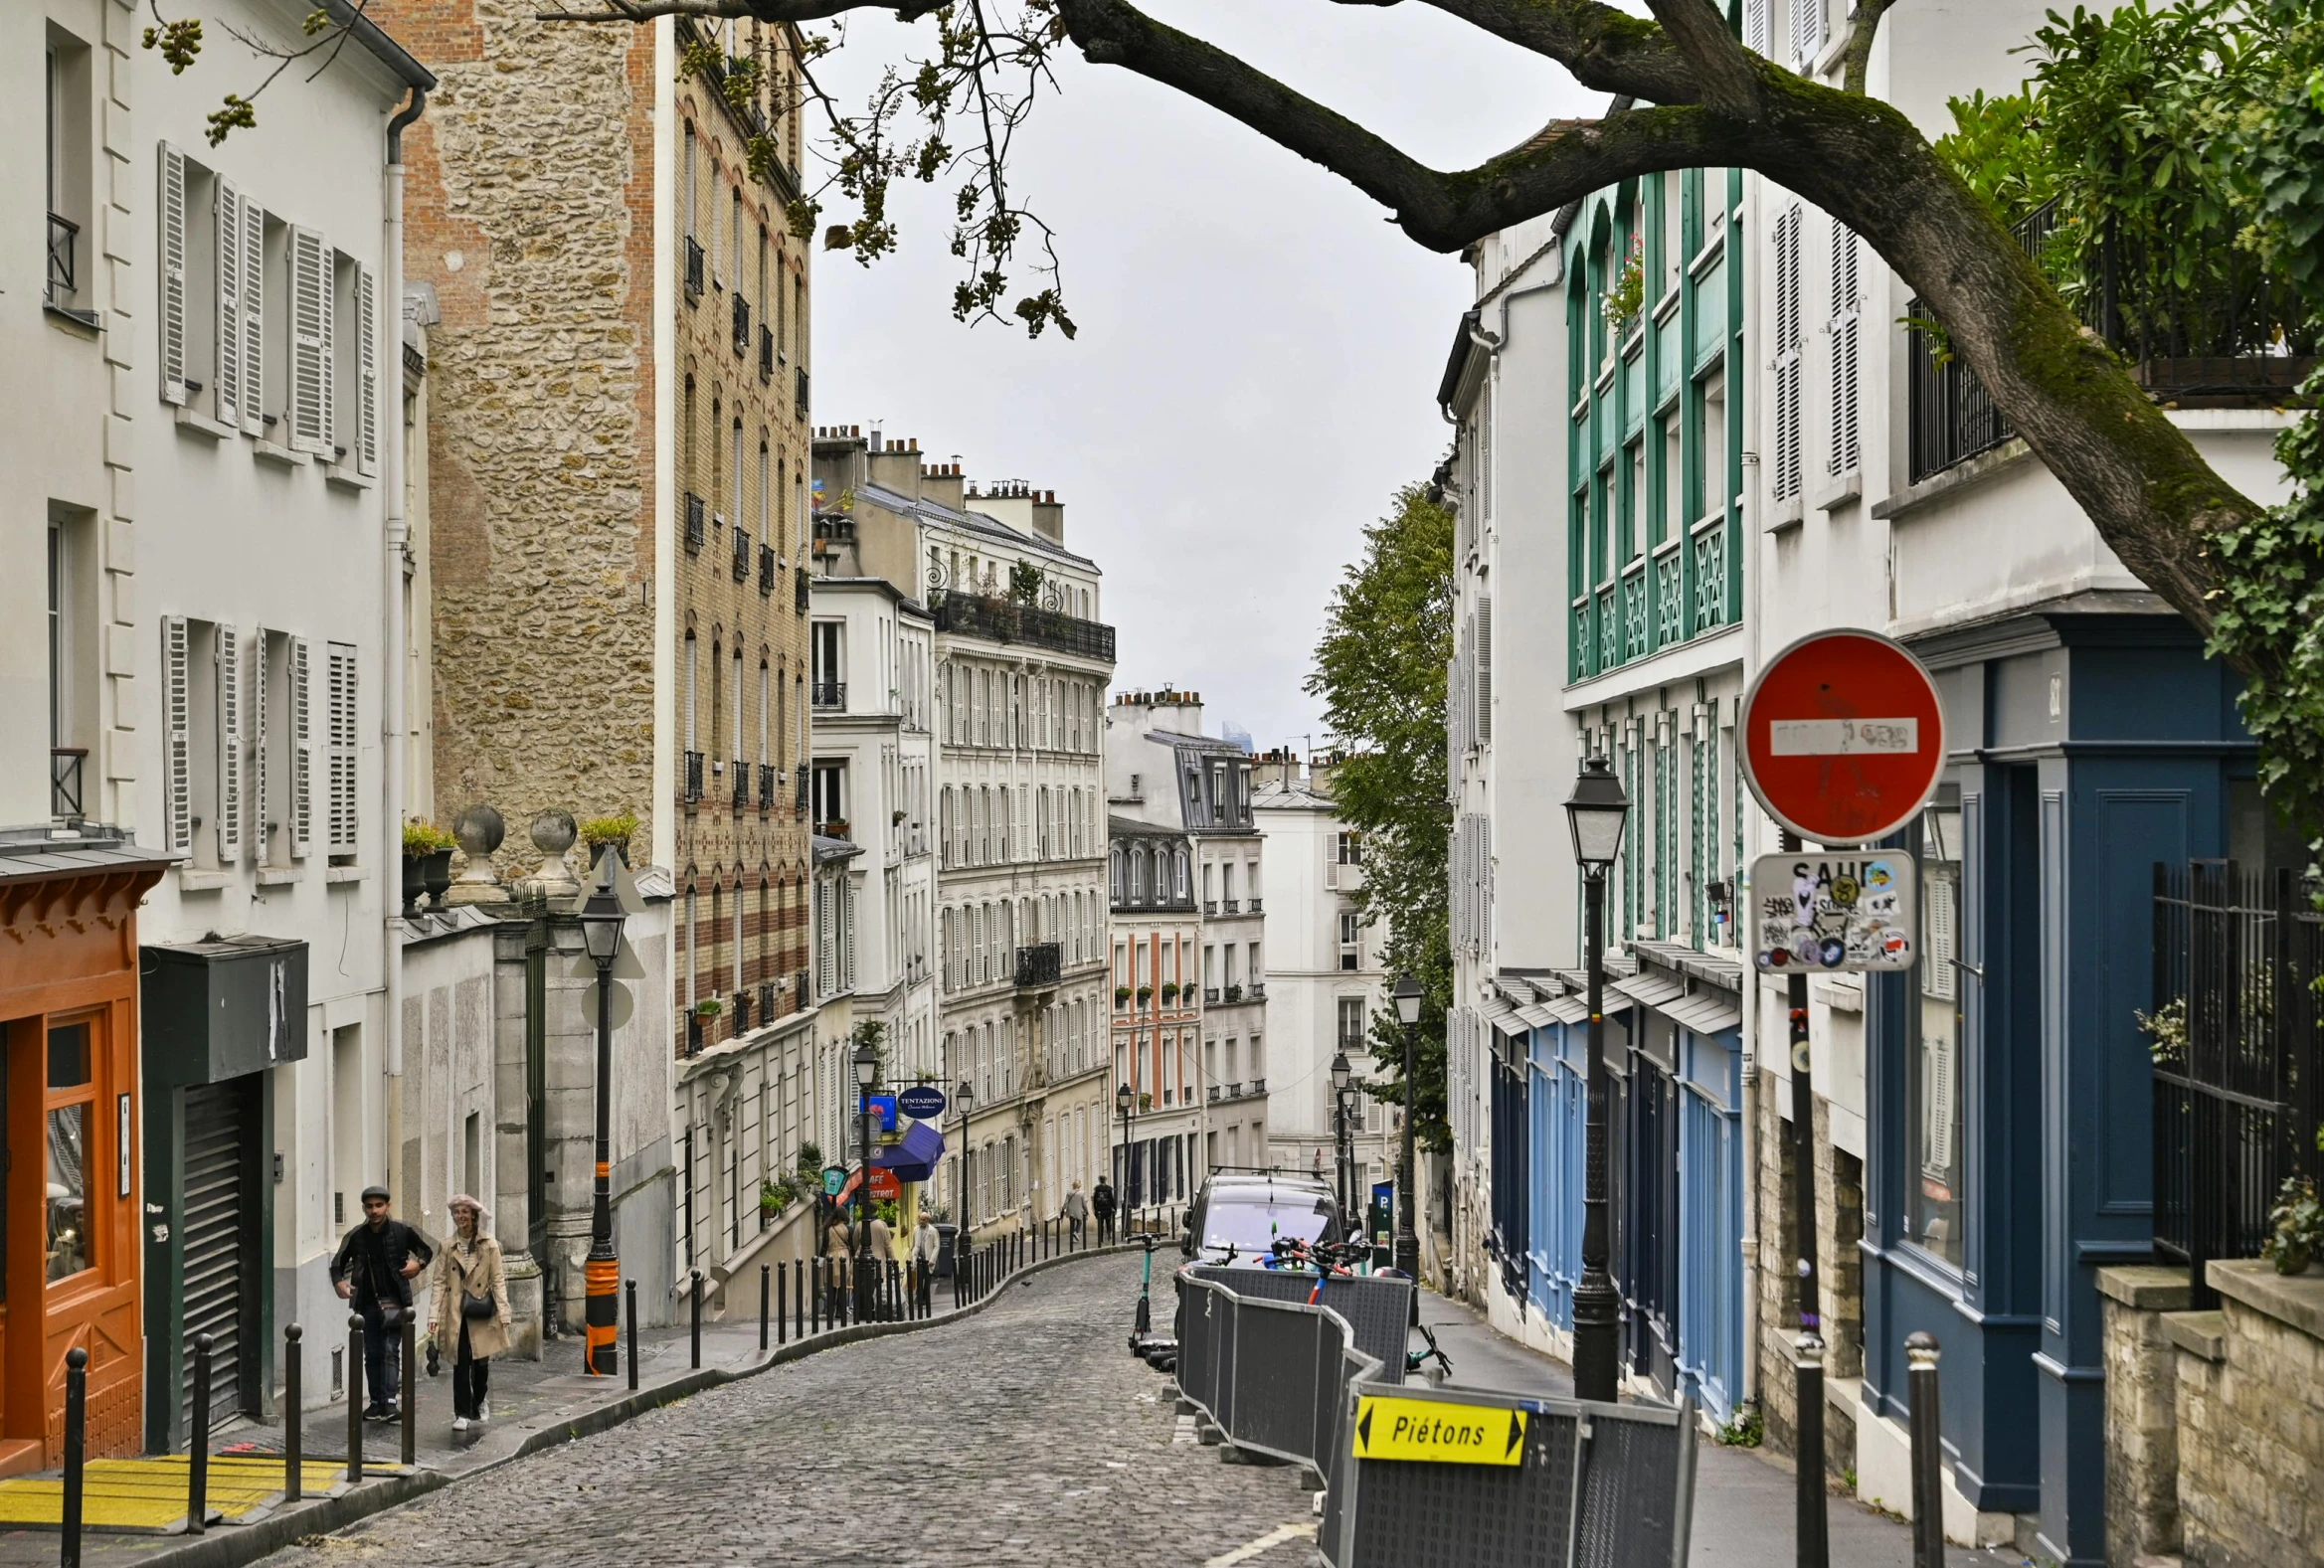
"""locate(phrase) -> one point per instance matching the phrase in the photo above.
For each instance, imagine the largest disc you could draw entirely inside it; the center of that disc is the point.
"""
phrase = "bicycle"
(1417, 1360)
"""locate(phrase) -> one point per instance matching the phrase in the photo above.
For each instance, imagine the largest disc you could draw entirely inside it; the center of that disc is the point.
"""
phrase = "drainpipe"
(393, 608)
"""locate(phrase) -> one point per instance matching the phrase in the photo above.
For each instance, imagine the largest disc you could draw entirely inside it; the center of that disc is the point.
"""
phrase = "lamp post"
(600, 932)
(964, 1094)
(1596, 813)
(1339, 1076)
(867, 1075)
(1125, 1098)
(1408, 995)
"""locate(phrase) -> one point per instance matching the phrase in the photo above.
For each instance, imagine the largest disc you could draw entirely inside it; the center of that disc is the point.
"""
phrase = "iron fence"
(696, 262)
(742, 323)
(693, 776)
(1039, 963)
(765, 352)
(1007, 621)
(742, 553)
(695, 530)
(2236, 1036)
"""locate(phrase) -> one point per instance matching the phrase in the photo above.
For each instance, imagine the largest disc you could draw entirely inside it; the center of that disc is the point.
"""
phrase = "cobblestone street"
(1027, 1434)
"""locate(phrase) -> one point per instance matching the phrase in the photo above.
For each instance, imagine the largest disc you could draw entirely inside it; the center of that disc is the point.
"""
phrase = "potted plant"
(604, 832)
(1121, 994)
(1170, 992)
(1144, 994)
(709, 1007)
(2297, 1227)
(427, 864)
(1234, 993)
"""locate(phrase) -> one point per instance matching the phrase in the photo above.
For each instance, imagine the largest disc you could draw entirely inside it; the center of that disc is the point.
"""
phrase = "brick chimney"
(1022, 507)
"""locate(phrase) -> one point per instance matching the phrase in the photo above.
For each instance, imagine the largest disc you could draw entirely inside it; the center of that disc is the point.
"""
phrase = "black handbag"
(478, 1306)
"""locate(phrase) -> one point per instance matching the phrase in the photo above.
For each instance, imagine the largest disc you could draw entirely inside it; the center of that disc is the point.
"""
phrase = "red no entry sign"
(1842, 737)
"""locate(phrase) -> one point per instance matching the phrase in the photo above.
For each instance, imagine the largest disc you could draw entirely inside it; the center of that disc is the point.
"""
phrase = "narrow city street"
(1025, 1434)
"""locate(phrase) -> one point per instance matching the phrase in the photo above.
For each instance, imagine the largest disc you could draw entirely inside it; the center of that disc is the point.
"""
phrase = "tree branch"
(1599, 45)
(772, 12)
(1729, 73)
(1859, 44)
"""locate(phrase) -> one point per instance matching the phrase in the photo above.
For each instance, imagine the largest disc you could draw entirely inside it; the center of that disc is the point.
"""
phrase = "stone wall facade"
(2250, 1425)
(1840, 1278)
(2142, 1429)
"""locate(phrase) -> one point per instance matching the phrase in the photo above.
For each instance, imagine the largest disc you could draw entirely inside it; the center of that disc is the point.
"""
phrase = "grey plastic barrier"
(1595, 1486)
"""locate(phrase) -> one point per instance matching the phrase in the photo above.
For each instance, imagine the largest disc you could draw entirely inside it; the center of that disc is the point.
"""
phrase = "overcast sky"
(1259, 350)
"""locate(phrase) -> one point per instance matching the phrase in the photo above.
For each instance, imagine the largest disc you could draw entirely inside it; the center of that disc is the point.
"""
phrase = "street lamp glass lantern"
(1408, 995)
(601, 926)
(1122, 1099)
(964, 1094)
(1340, 1072)
(867, 1065)
(1596, 812)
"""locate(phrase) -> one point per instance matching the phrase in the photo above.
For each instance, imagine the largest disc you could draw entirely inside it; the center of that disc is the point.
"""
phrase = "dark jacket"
(363, 1255)
(1102, 1200)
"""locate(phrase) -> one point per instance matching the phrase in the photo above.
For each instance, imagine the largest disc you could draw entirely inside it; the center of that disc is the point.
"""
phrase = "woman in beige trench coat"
(468, 1268)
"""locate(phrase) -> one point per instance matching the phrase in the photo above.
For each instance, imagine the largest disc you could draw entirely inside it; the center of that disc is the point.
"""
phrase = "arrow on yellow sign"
(1437, 1432)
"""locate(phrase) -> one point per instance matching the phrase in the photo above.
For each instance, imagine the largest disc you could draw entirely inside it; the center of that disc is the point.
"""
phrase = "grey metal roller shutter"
(218, 1124)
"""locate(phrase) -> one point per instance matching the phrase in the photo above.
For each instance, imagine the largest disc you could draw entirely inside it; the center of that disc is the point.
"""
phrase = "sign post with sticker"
(1844, 740)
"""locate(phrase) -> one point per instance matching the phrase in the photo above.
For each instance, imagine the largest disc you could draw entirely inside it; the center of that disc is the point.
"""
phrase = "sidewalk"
(1744, 1498)
(534, 1405)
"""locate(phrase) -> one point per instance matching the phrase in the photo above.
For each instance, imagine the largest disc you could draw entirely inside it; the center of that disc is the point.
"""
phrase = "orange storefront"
(69, 1229)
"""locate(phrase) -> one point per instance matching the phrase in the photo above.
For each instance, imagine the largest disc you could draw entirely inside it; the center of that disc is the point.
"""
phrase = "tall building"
(1325, 981)
(1163, 770)
(618, 470)
(1013, 800)
(1157, 945)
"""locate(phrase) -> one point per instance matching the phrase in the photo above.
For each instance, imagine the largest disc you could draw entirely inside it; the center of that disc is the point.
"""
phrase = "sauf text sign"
(1437, 1432)
(1844, 911)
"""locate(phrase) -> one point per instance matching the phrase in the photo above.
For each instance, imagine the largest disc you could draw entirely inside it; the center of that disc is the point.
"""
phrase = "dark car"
(1238, 1217)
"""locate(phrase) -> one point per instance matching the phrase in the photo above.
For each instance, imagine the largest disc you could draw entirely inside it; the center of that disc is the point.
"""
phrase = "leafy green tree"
(1381, 672)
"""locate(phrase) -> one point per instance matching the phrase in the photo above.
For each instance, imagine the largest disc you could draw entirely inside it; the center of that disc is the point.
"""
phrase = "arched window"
(1138, 875)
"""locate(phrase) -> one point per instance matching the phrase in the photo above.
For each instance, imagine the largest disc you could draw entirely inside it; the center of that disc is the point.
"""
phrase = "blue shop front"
(2008, 1085)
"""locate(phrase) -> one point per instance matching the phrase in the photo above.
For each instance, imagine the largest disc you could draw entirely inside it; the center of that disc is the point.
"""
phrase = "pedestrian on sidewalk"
(1076, 1210)
(879, 1248)
(1101, 1202)
(838, 1252)
(927, 1247)
(373, 1268)
(471, 1290)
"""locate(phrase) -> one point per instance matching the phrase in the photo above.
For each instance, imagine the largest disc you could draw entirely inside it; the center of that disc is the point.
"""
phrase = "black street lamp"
(1125, 1098)
(1408, 995)
(1596, 813)
(1339, 1076)
(600, 932)
(867, 1075)
(964, 1094)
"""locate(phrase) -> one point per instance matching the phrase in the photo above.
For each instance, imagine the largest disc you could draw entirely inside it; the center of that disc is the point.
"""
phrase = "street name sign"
(921, 1102)
(1835, 911)
(1843, 737)
(1437, 1431)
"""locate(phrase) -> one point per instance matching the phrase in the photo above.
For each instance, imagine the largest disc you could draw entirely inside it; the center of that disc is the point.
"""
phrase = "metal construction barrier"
(1272, 1375)
(1461, 1476)
(1376, 1308)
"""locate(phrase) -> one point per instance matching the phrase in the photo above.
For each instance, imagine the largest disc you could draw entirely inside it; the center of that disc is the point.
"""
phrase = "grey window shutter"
(310, 334)
(225, 375)
(173, 275)
(1484, 668)
(367, 396)
(252, 281)
(177, 736)
(258, 829)
(228, 685)
(342, 824)
(301, 746)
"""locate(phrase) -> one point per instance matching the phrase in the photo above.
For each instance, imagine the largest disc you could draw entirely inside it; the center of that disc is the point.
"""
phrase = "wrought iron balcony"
(696, 262)
(1213, 1095)
(742, 325)
(742, 1012)
(799, 991)
(64, 245)
(693, 1034)
(742, 555)
(693, 778)
(799, 792)
(766, 571)
(801, 390)
(1235, 905)
(1210, 993)
(827, 694)
(64, 762)
(1254, 905)
(765, 352)
(1007, 621)
(766, 1002)
(1038, 966)
(800, 587)
(742, 783)
(696, 521)
(766, 776)
(1210, 906)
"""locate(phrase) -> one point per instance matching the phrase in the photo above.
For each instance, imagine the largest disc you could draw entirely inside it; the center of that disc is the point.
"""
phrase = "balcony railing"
(64, 762)
(742, 1013)
(767, 777)
(742, 325)
(827, 694)
(1040, 964)
(693, 1034)
(765, 352)
(1210, 993)
(1213, 1095)
(800, 587)
(766, 571)
(64, 245)
(696, 262)
(693, 776)
(1210, 906)
(1254, 907)
(1007, 621)
(742, 555)
(799, 387)
(742, 783)
(766, 1002)
(696, 519)
(799, 792)
(1235, 905)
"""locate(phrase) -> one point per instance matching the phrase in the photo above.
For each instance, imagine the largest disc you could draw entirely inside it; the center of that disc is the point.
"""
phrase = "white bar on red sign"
(1841, 737)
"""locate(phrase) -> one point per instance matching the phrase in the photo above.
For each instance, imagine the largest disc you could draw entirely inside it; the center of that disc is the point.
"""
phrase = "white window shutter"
(1787, 353)
(367, 398)
(341, 823)
(229, 811)
(311, 330)
(1845, 311)
(177, 736)
(173, 275)
(225, 375)
(301, 746)
(1755, 26)
(257, 829)
(1484, 668)
(254, 316)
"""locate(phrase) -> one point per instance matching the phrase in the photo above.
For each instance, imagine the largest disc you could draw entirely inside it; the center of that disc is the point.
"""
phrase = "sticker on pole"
(1840, 912)
(1437, 1431)
(1844, 736)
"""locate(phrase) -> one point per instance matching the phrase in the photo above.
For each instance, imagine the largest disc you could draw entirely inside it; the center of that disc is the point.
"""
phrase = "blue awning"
(914, 1157)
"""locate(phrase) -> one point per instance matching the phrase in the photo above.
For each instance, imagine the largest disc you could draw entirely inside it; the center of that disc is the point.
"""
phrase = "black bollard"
(1812, 1527)
(815, 1308)
(694, 1309)
(198, 1443)
(782, 1308)
(1929, 1497)
(766, 1304)
(75, 1439)
(411, 1410)
(895, 1290)
(798, 1298)
(629, 1289)
(293, 1437)
(355, 1393)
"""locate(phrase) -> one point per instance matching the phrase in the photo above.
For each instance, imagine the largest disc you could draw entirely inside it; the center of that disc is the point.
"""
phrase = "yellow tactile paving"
(149, 1495)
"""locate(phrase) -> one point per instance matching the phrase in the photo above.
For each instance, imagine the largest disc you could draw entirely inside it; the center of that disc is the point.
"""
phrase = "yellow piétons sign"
(1437, 1432)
